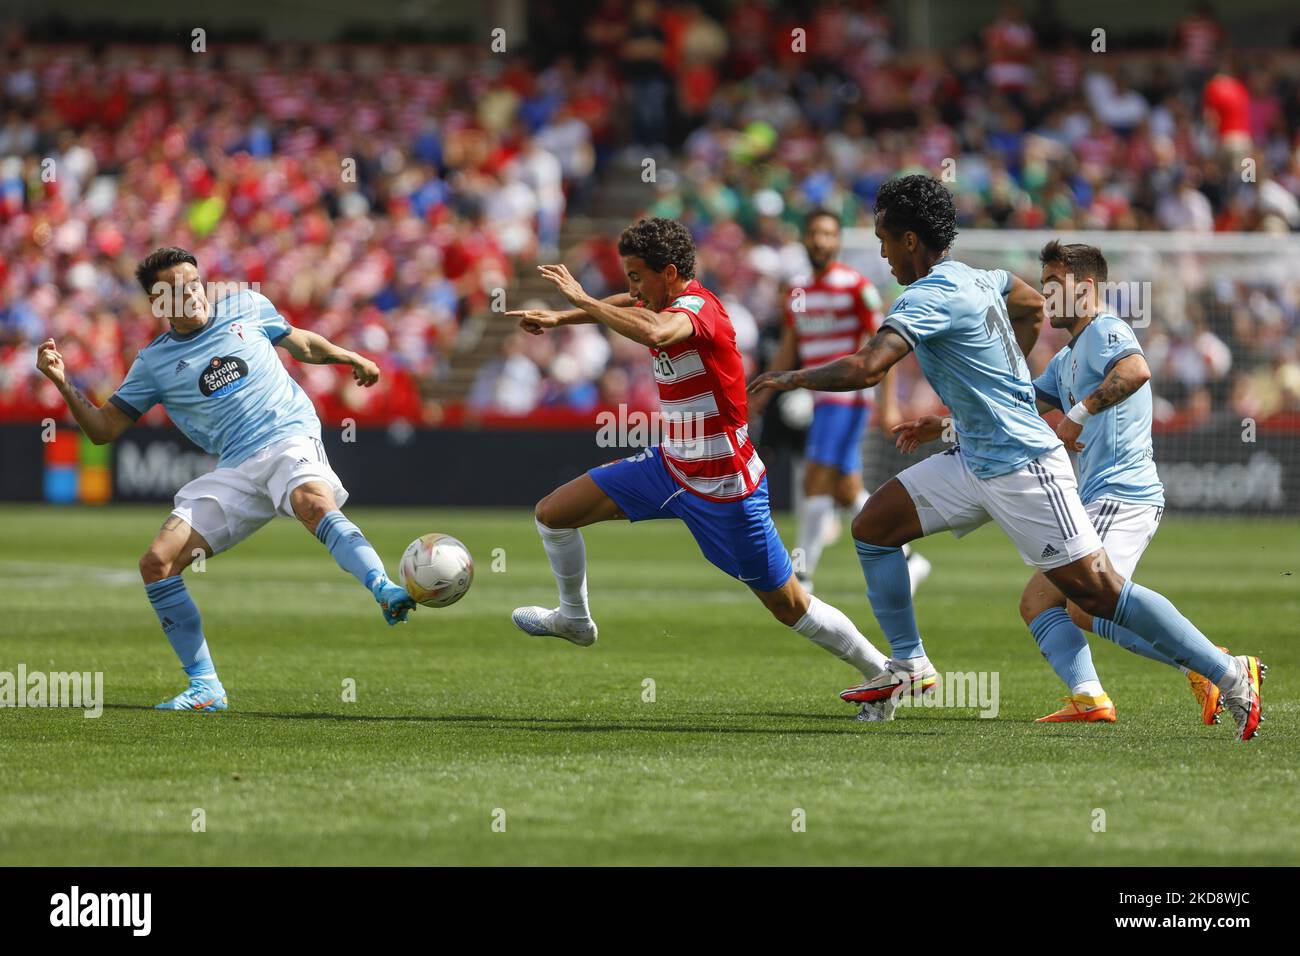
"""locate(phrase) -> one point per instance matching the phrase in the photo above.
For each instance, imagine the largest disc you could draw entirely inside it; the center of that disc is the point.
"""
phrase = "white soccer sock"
(831, 629)
(859, 503)
(1090, 687)
(815, 511)
(1231, 674)
(568, 557)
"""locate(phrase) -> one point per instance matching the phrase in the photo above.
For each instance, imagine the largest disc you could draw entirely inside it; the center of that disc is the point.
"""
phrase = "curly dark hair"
(659, 242)
(1081, 261)
(146, 273)
(922, 205)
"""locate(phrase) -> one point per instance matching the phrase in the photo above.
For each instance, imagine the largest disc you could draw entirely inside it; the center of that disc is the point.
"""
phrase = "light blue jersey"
(1116, 461)
(223, 384)
(956, 319)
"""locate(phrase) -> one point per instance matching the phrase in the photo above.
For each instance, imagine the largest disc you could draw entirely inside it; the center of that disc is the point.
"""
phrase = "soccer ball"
(436, 570)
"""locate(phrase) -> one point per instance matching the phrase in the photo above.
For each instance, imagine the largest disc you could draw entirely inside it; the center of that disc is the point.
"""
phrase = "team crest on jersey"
(238, 329)
(222, 376)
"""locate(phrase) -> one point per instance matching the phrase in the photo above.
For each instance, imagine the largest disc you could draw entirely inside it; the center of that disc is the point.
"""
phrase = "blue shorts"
(835, 436)
(736, 536)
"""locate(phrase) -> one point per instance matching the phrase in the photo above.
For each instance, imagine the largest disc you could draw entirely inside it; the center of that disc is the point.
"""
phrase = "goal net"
(1218, 316)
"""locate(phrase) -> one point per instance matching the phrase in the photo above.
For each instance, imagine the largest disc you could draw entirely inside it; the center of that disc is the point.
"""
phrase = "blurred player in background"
(217, 374)
(830, 313)
(705, 472)
(1100, 378)
(970, 329)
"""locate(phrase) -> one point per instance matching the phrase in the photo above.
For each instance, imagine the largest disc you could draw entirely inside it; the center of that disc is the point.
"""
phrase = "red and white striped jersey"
(832, 316)
(706, 446)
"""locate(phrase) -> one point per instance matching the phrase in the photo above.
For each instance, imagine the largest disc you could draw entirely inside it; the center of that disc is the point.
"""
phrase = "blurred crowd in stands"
(378, 207)
(381, 205)
(1031, 127)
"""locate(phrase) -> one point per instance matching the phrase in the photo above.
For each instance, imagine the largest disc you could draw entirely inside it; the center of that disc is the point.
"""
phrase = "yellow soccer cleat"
(1083, 707)
(1207, 696)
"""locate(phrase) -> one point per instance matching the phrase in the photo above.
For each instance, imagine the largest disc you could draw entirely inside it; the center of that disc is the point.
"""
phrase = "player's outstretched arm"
(1025, 308)
(1125, 377)
(101, 424)
(655, 329)
(315, 349)
(863, 369)
(538, 321)
(786, 358)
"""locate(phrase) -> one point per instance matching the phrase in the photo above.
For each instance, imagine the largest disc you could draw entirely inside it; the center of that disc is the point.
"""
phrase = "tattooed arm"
(863, 369)
(1125, 377)
(1129, 374)
(100, 423)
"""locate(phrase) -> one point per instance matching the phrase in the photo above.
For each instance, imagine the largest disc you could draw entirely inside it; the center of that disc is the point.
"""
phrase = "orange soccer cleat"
(1207, 696)
(1082, 707)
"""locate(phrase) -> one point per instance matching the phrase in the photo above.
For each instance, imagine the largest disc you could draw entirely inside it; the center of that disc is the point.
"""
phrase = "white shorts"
(229, 504)
(1037, 506)
(1125, 529)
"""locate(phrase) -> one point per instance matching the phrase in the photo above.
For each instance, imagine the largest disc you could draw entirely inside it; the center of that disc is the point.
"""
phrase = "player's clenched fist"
(49, 360)
(912, 435)
(365, 371)
(1069, 431)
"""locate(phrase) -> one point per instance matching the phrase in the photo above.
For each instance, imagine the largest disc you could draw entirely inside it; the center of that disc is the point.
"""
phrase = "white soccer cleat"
(1242, 698)
(879, 711)
(543, 622)
(918, 569)
(916, 678)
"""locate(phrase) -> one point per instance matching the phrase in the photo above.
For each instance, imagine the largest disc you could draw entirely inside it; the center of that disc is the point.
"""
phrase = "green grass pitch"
(745, 755)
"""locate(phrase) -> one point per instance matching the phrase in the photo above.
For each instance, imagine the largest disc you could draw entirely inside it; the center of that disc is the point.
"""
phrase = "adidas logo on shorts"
(1049, 552)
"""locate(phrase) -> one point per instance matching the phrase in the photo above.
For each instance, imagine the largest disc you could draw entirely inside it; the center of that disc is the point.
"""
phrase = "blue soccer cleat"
(205, 694)
(393, 599)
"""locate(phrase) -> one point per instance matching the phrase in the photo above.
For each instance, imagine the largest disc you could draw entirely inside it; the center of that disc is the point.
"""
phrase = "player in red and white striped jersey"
(705, 472)
(830, 313)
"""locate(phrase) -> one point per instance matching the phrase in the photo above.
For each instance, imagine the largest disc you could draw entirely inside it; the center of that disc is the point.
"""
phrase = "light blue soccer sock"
(179, 617)
(1153, 617)
(889, 589)
(1065, 647)
(349, 548)
(1130, 641)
